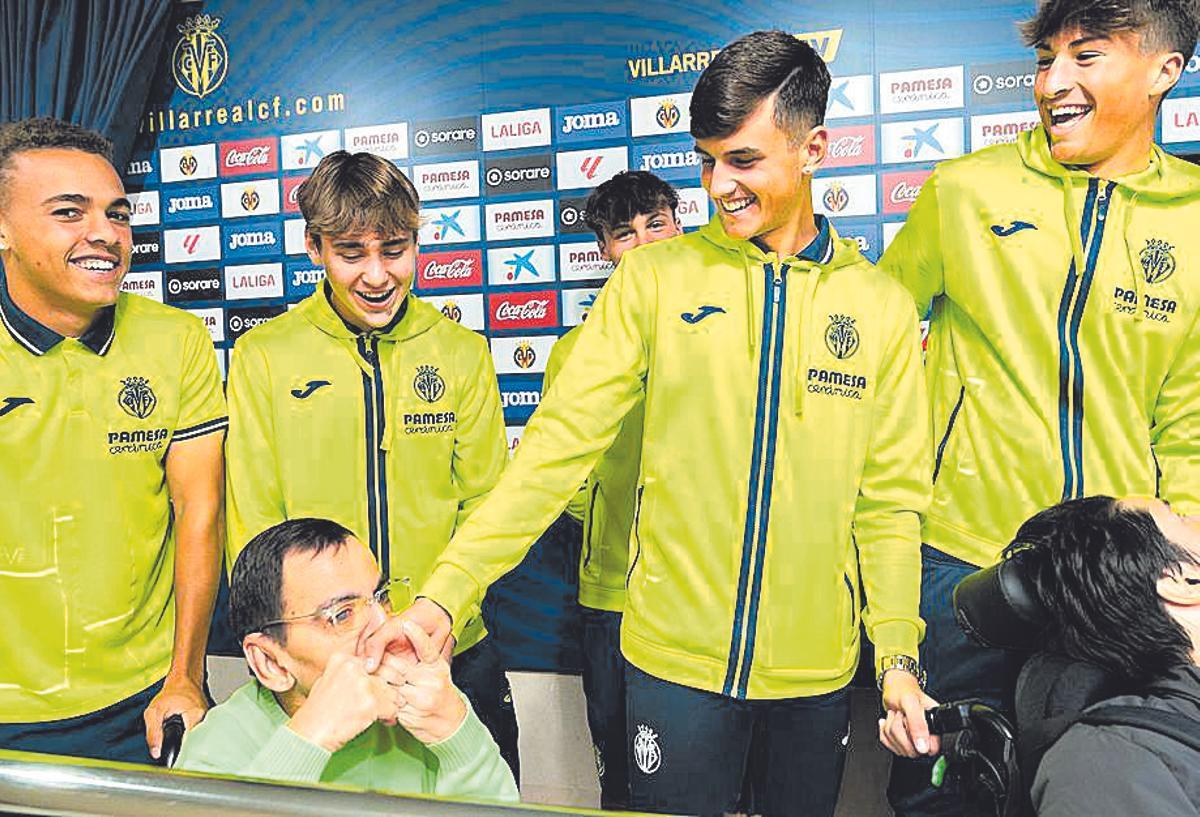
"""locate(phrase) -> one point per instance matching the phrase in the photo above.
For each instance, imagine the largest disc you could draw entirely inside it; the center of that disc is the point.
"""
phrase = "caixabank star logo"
(200, 59)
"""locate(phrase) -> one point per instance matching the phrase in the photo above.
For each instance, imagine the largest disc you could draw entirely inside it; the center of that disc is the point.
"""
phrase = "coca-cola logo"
(458, 268)
(255, 156)
(904, 193)
(847, 147)
(534, 310)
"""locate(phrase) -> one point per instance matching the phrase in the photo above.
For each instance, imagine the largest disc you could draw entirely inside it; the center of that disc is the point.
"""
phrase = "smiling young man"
(779, 374)
(630, 209)
(111, 415)
(368, 406)
(1064, 333)
(300, 595)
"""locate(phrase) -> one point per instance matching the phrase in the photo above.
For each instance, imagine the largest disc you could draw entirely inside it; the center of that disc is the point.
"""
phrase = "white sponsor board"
(293, 236)
(656, 115)
(260, 198)
(1181, 120)
(693, 207)
(446, 180)
(449, 225)
(254, 281)
(581, 261)
(465, 309)
(188, 164)
(577, 303)
(516, 129)
(845, 196)
(851, 97)
(214, 321)
(924, 140)
(926, 89)
(526, 354)
(147, 283)
(388, 141)
(509, 266)
(145, 208)
(306, 150)
(588, 168)
(520, 219)
(191, 244)
(1001, 128)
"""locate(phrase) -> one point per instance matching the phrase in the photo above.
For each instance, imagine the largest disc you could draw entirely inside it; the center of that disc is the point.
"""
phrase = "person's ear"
(1170, 69)
(813, 149)
(603, 247)
(312, 245)
(267, 661)
(1181, 588)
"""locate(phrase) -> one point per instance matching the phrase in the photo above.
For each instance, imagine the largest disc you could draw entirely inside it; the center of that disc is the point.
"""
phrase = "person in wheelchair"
(1105, 596)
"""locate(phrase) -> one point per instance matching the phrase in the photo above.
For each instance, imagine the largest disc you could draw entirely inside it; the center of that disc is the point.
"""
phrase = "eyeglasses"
(351, 615)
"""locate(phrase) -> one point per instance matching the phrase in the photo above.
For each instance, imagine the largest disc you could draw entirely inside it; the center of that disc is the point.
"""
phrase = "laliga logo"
(668, 115)
(250, 199)
(836, 198)
(200, 59)
(524, 355)
(188, 164)
(452, 311)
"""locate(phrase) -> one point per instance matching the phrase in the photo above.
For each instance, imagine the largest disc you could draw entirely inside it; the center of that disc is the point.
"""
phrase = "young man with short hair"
(111, 421)
(300, 595)
(1064, 347)
(778, 373)
(368, 406)
(630, 209)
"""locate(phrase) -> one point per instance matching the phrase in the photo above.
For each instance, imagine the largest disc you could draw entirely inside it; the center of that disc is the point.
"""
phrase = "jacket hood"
(417, 317)
(1167, 178)
(845, 251)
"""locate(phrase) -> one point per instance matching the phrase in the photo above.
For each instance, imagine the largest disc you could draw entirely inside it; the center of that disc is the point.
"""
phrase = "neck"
(1133, 157)
(290, 701)
(789, 239)
(69, 323)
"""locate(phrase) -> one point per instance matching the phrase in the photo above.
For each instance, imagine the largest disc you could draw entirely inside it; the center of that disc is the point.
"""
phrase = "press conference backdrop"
(504, 115)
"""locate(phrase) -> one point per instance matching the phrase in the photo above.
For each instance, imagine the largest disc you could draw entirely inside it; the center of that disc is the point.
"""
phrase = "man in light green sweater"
(301, 595)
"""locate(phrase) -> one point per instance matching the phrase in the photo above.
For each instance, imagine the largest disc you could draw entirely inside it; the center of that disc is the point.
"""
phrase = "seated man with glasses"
(301, 595)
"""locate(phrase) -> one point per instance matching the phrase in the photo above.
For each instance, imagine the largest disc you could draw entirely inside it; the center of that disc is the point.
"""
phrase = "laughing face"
(756, 178)
(64, 236)
(369, 275)
(1098, 97)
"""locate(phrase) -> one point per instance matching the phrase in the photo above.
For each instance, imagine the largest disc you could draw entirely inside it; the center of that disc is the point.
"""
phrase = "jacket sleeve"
(469, 764)
(914, 258)
(480, 447)
(1175, 432)
(1094, 771)
(895, 490)
(577, 507)
(253, 492)
(577, 421)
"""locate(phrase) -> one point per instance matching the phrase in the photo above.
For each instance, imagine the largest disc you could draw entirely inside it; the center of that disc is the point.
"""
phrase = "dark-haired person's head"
(1121, 581)
(758, 114)
(632, 208)
(362, 216)
(1103, 68)
(299, 592)
(65, 235)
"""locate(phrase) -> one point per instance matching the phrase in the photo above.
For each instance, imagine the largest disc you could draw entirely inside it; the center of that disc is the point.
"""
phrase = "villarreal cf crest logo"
(841, 338)
(428, 384)
(1158, 263)
(136, 397)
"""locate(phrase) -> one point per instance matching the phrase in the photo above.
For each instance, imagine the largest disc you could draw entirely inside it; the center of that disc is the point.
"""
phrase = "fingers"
(914, 715)
(377, 620)
(153, 716)
(427, 651)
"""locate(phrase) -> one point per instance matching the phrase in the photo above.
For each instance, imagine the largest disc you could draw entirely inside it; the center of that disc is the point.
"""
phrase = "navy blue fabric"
(604, 690)
(116, 732)
(532, 611)
(83, 61)
(479, 673)
(692, 751)
(957, 669)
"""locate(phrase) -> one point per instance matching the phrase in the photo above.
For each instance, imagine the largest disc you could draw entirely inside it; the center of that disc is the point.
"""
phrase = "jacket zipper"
(377, 499)
(941, 449)
(591, 516)
(762, 463)
(1070, 317)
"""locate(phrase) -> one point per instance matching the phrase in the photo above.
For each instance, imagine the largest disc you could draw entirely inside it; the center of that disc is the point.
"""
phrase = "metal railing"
(73, 787)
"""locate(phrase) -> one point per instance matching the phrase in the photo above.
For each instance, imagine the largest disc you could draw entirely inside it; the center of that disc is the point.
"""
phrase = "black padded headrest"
(997, 607)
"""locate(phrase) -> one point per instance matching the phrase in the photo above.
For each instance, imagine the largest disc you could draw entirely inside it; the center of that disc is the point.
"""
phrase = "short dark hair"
(256, 583)
(1164, 25)
(46, 133)
(749, 70)
(1096, 563)
(353, 193)
(627, 195)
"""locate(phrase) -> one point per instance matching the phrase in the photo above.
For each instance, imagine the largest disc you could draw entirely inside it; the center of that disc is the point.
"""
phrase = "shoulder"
(281, 330)
(240, 721)
(138, 314)
(965, 171)
(874, 286)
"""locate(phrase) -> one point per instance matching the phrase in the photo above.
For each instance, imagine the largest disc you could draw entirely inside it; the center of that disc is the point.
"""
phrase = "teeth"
(96, 264)
(736, 206)
(376, 299)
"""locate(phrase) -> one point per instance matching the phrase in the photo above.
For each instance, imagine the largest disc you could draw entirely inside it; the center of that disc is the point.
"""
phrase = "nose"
(721, 180)
(103, 230)
(375, 272)
(1058, 77)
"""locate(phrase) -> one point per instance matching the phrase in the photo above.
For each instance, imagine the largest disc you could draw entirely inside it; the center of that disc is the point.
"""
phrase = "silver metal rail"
(72, 787)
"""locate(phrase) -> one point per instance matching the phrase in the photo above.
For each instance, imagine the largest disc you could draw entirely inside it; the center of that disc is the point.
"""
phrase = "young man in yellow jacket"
(780, 374)
(1064, 356)
(366, 406)
(630, 209)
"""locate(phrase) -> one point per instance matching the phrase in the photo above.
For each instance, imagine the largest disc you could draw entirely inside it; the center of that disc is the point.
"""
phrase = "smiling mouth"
(1065, 117)
(376, 298)
(95, 264)
(735, 206)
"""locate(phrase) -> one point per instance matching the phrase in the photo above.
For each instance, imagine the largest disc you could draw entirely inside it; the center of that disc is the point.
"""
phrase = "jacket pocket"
(590, 535)
(637, 536)
(941, 449)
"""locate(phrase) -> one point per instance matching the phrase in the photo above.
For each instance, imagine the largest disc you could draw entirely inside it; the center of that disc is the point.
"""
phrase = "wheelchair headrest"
(997, 606)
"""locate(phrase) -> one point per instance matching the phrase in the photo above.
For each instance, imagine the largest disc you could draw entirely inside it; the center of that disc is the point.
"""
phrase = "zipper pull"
(779, 273)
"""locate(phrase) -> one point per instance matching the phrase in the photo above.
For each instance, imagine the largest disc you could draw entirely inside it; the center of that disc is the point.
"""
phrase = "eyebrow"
(82, 200)
(1044, 46)
(747, 151)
